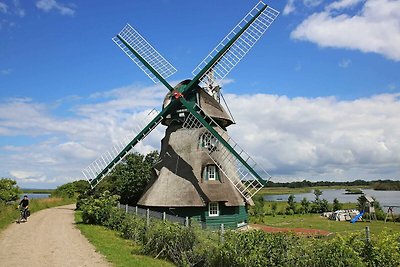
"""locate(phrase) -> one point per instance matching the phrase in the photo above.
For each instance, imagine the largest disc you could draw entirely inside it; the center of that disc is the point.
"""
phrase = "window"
(210, 173)
(207, 140)
(213, 209)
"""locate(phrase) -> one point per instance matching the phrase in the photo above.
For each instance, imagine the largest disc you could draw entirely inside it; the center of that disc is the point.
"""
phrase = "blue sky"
(323, 84)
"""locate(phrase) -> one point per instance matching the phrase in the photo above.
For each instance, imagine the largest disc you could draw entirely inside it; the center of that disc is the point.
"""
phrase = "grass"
(118, 251)
(315, 221)
(281, 206)
(9, 213)
(288, 191)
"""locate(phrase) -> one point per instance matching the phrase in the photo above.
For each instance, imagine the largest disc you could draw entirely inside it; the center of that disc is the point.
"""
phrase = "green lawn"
(315, 221)
(118, 251)
(281, 206)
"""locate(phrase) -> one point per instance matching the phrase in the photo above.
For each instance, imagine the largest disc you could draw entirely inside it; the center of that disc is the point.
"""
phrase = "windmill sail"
(243, 175)
(99, 168)
(260, 17)
(143, 54)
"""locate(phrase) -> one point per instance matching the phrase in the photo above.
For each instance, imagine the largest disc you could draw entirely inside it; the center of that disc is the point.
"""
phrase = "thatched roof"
(178, 180)
(208, 103)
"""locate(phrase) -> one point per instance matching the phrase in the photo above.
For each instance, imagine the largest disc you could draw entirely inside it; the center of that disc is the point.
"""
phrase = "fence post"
(164, 216)
(367, 234)
(119, 205)
(187, 221)
(126, 208)
(136, 210)
(148, 217)
(222, 239)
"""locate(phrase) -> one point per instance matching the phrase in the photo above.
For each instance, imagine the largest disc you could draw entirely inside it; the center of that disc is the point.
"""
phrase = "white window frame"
(211, 172)
(213, 209)
(208, 141)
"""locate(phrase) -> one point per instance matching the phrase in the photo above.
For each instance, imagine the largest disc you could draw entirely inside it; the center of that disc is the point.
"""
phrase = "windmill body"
(186, 180)
(202, 172)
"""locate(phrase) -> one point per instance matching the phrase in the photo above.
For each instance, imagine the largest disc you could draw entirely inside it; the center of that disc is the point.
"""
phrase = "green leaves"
(130, 178)
(9, 191)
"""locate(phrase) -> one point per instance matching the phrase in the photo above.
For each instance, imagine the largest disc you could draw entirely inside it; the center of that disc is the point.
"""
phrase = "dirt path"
(49, 238)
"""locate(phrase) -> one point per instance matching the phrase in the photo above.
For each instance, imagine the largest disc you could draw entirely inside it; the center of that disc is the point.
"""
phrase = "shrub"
(133, 228)
(335, 252)
(170, 241)
(99, 210)
(255, 248)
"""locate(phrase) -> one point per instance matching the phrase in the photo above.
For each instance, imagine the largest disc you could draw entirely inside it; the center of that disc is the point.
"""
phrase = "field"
(315, 221)
(119, 251)
(288, 191)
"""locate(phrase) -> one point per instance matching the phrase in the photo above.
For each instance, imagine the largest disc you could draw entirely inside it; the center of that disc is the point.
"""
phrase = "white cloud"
(315, 138)
(5, 71)
(375, 28)
(289, 7)
(48, 5)
(341, 4)
(3, 7)
(320, 137)
(312, 3)
(344, 63)
(28, 176)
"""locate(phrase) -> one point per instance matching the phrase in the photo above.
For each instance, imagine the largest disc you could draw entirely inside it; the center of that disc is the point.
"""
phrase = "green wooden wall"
(229, 216)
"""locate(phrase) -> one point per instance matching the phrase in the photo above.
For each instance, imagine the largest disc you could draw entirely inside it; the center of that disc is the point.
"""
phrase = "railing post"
(126, 208)
(164, 216)
(222, 239)
(148, 216)
(187, 221)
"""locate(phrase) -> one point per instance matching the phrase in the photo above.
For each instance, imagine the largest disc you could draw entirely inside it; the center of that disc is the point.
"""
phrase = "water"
(385, 198)
(32, 196)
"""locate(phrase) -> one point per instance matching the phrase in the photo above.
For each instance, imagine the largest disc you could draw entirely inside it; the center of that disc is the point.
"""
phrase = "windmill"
(202, 172)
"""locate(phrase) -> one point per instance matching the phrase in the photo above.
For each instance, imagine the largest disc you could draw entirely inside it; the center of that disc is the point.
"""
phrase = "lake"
(32, 196)
(385, 198)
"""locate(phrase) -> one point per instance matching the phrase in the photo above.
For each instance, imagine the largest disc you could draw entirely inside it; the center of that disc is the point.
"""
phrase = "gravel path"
(49, 238)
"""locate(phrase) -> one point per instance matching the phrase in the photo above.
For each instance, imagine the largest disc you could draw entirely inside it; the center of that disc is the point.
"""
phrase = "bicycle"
(25, 213)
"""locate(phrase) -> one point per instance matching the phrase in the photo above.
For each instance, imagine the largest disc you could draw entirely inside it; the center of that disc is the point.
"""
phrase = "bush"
(133, 228)
(99, 210)
(170, 241)
(255, 248)
(194, 247)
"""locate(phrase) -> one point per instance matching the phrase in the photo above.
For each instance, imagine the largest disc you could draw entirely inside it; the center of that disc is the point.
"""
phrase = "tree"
(130, 178)
(336, 205)
(324, 206)
(71, 190)
(305, 205)
(9, 191)
(258, 205)
(274, 207)
(317, 194)
(291, 207)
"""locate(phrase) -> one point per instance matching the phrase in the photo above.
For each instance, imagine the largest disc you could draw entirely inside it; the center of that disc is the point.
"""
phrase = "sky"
(317, 98)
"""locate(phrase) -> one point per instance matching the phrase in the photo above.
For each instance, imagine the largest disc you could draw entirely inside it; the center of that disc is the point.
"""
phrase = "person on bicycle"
(24, 205)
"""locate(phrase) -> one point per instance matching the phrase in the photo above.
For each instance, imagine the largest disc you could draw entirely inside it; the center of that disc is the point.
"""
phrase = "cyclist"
(23, 206)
